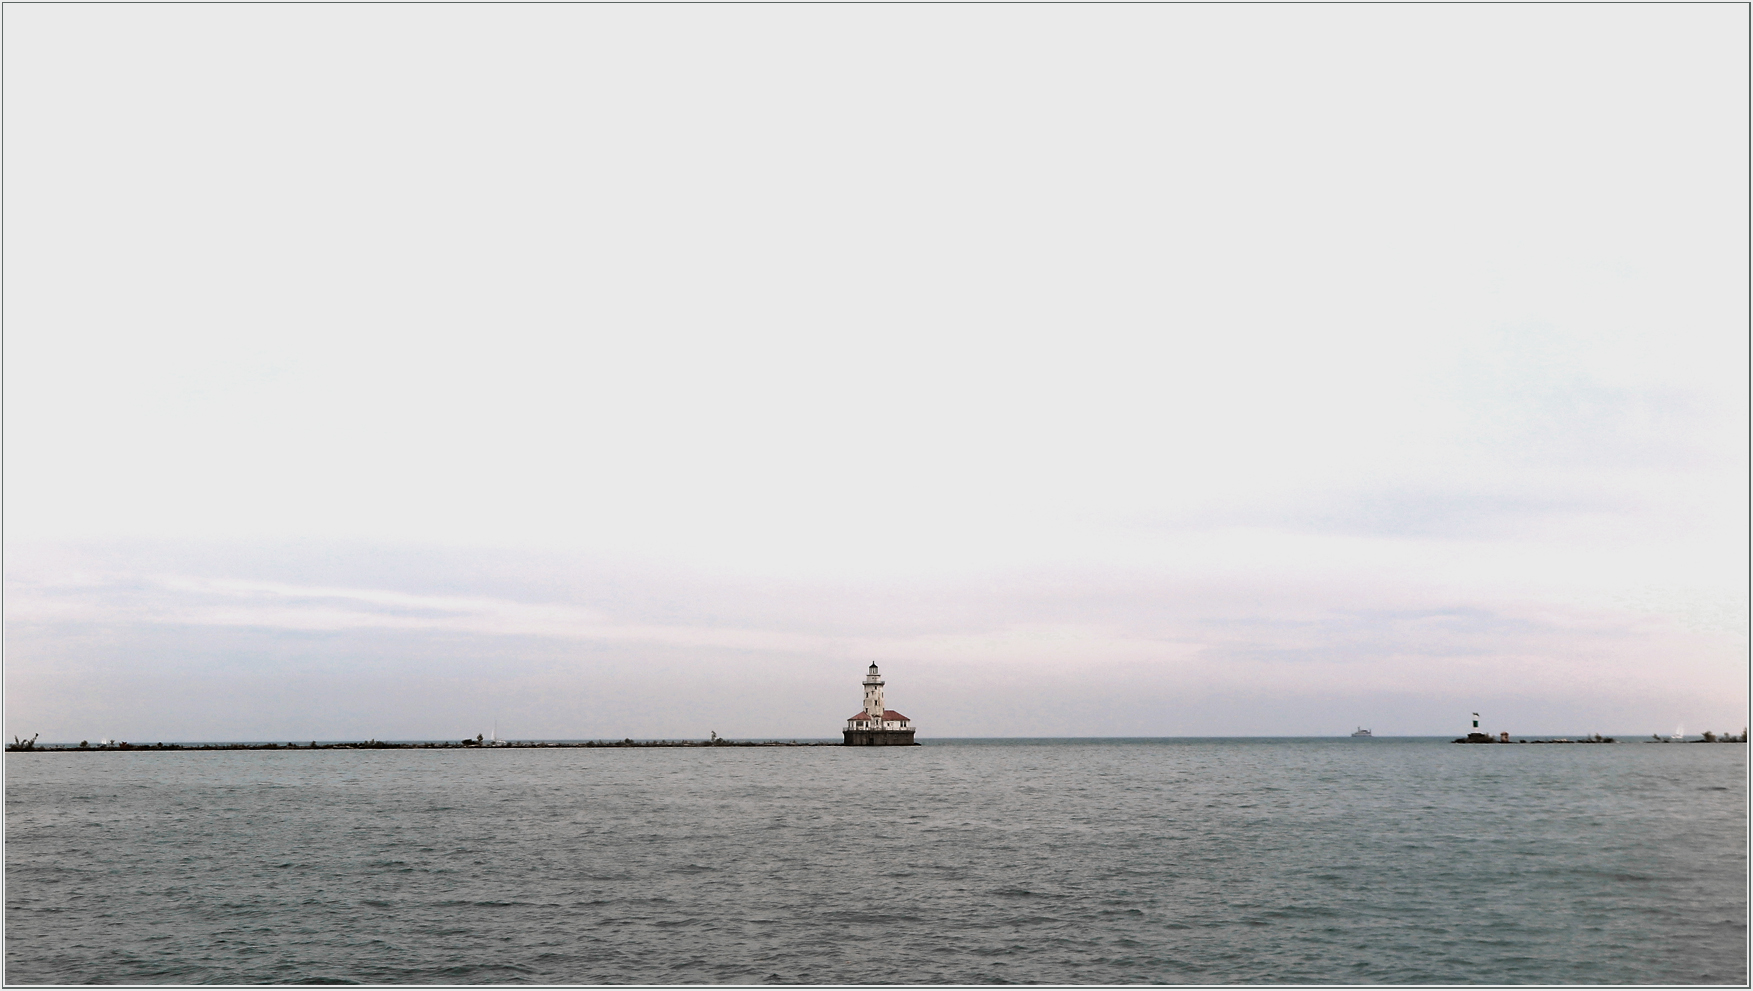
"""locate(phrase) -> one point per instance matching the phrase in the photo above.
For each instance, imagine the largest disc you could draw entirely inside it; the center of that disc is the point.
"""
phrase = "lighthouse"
(877, 725)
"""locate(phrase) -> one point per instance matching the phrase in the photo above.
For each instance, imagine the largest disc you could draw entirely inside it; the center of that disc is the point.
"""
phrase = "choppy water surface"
(1200, 861)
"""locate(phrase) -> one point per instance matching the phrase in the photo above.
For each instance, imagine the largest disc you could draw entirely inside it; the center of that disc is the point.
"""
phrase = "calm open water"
(1202, 861)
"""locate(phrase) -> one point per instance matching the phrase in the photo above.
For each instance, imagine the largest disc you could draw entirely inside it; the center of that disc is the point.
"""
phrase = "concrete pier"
(880, 738)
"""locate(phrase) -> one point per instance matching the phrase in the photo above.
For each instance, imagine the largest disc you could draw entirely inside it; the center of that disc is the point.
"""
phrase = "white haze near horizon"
(647, 371)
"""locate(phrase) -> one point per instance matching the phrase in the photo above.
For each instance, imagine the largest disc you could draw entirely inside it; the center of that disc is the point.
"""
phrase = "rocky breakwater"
(1505, 738)
(32, 746)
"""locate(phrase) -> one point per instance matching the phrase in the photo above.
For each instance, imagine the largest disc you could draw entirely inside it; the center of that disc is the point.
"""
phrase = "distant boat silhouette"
(1363, 732)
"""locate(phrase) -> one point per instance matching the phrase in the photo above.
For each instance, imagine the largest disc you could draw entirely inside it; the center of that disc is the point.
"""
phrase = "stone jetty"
(31, 746)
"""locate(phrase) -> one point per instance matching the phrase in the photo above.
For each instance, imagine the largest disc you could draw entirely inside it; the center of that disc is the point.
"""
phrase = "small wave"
(864, 917)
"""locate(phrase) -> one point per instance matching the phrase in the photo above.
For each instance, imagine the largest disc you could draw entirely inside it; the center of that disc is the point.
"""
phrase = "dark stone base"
(880, 738)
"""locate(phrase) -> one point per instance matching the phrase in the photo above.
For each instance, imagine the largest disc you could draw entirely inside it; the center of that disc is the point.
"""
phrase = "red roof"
(859, 717)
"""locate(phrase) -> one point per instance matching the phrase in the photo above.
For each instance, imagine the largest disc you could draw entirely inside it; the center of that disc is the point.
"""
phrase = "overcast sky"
(648, 371)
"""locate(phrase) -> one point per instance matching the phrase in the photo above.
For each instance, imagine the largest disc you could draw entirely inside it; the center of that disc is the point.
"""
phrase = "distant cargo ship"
(1363, 732)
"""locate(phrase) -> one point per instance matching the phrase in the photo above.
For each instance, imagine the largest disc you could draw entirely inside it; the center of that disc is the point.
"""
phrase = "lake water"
(1093, 861)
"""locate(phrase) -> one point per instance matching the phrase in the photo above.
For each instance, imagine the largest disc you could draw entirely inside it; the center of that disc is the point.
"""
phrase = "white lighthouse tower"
(877, 725)
(873, 694)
